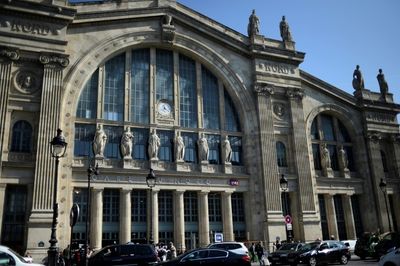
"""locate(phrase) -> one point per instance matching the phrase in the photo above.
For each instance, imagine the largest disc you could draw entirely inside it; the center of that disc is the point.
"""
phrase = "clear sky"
(336, 35)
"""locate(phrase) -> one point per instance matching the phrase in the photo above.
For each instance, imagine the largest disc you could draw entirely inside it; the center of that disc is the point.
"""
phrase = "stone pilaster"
(396, 208)
(331, 215)
(2, 200)
(179, 222)
(96, 223)
(7, 56)
(204, 226)
(349, 217)
(395, 142)
(125, 216)
(270, 172)
(227, 216)
(49, 121)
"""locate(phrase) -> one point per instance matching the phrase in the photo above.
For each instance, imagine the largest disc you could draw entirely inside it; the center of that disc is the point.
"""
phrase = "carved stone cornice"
(45, 59)
(264, 89)
(295, 93)
(374, 136)
(11, 54)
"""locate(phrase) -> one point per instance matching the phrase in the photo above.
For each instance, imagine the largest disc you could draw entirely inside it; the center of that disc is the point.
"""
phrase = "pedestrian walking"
(260, 253)
(252, 252)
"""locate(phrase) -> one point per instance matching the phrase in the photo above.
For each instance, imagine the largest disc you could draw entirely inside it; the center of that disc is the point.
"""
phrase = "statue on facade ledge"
(226, 150)
(285, 30)
(179, 148)
(126, 144)
(358, 80)
(383, 86)
(154, 145)
(253, 27)
(99, 142)
(325, 158)
(203, 148)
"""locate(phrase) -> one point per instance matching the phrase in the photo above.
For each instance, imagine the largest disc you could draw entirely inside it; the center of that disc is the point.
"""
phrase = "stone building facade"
(230, 113)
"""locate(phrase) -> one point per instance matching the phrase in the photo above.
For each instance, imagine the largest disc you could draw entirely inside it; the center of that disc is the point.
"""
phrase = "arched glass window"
(231, 117)
(329, 130)
(87, 105)
(126, 92)
(384, 162)
(281, 154)
(21, 137)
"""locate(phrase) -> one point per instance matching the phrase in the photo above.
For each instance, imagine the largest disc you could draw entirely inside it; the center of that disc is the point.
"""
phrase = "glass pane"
(314, 129)
(22, 137)
(113, 140)
(114, 88)
(190, 206)
(190, 140)
(214, 148)
(281, 154)
(87, 106)
(214, 207)
(84, 135)
(343, 134)
(166, 140)
(231, 117)
(210, 100)
(164, 75)
(236, 145)
(350, 159)
(334, 157)
(165, 207)
(188, 94)
(140, 86)
(327, 127)
(316, 156)
(140, 137)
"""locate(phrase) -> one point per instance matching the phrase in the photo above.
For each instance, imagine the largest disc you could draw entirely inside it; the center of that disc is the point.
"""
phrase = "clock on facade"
(164, 109)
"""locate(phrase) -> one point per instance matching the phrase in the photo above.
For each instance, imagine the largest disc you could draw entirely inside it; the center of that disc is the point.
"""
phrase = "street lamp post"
(58, 148)
(92, 170)
(283, 183)
(151, 180)
(382, 186)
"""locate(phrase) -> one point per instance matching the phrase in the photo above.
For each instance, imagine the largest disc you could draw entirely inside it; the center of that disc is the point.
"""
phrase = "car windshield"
(17, 255)
(288, 247)
(309, 246)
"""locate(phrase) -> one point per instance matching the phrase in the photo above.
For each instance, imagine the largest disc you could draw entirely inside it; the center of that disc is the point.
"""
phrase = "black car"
(320, 253)
(126, 254)
(280, 256)
(209, 256)
(372, 245)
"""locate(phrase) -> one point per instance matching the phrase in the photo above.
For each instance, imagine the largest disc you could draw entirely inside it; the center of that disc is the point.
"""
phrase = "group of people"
(258, 253)
(165, 252)
(76, 256)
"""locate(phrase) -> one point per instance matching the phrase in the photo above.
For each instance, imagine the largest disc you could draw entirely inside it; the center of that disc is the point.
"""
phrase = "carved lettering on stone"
(380, 117)
(29, 27)
(275, 68)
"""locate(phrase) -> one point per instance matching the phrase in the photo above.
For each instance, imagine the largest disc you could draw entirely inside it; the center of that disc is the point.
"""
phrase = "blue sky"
(336, 35)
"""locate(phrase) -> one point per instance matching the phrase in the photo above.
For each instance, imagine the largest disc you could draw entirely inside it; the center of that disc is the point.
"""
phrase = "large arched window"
(329, 130)
(21, 137)
(157, 88)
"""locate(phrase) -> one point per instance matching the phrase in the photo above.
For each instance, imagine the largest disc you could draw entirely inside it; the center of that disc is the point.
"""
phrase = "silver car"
(236, 247)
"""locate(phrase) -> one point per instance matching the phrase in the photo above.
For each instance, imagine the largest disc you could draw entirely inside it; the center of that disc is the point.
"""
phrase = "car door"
(335, 251)
(215, 257)
(194, 258)
(323, 253)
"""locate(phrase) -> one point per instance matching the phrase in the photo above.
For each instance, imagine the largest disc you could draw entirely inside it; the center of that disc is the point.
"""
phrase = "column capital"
(204, 192)
(9, 53)
(179, 191)
(266, 90)
(374, 136)
(295, 93)
(54, 59)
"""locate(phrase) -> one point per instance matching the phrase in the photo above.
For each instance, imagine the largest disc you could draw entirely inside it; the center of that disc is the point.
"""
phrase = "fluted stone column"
(96, 223)
(125, 216)
(7, 56)
(204, 225)
(2, 200)
(179, 221)
(227, 216)
(49, 121)
(331, 215)
(154, 214)
(349, 217)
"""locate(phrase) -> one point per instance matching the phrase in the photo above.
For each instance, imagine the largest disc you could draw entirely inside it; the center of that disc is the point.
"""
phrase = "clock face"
(164, 108)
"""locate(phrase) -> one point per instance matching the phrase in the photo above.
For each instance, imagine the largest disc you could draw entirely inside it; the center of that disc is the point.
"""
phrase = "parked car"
(236, 247)
(351, 244)
(372, 245)
(391, 259)
(280, 256)
(10, 257)
(209, 256)
(320, 252)
(126, 254)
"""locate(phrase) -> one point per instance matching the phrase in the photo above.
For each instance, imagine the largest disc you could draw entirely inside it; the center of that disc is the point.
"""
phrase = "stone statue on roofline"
(358, 80)
(285, 30)
(253, 27)
(383, 86)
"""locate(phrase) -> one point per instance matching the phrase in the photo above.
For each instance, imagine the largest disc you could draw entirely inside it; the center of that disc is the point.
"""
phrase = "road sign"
(289, 227)
(288, 219)
(218, 237)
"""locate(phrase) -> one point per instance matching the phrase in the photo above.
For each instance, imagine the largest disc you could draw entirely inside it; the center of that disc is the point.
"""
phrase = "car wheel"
(343, 259)
(312, 261)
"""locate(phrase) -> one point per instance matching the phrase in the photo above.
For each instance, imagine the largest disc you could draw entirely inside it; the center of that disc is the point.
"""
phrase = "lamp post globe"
(58, 148)
(151, 180)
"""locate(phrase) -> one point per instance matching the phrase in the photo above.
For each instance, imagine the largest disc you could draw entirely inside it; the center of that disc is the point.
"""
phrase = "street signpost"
(218, 237)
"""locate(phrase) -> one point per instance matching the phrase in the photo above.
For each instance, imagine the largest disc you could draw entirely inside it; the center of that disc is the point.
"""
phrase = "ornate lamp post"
(92, 170)
(151, 180)
(382, 186)
(284, 184)
(58, 148)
